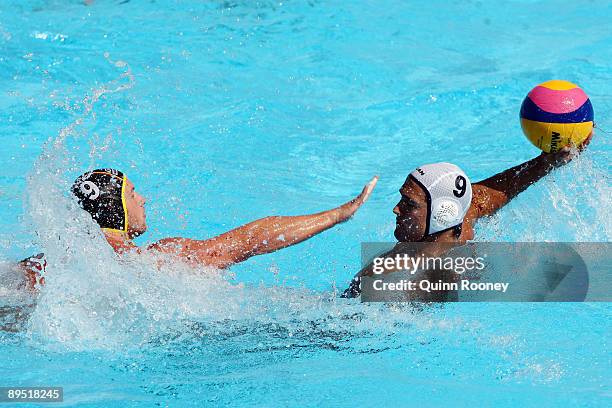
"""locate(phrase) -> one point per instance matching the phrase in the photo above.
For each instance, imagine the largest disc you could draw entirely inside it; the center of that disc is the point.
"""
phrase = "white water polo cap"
(449, 194)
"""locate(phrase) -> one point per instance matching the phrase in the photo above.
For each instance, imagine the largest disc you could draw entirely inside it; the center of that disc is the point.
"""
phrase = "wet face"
(411, 213)
(137, 219)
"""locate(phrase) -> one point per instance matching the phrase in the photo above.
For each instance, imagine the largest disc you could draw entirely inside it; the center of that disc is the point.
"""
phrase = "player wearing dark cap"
(112, 201)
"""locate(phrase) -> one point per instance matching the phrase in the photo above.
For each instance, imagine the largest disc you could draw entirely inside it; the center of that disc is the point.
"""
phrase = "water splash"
(94, 298)
(573, 204)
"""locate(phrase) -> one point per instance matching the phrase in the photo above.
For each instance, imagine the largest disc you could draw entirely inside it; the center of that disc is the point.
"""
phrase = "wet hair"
(101, 193)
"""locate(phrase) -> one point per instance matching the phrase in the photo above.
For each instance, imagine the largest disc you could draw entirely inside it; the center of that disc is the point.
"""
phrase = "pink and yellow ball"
(556, 114)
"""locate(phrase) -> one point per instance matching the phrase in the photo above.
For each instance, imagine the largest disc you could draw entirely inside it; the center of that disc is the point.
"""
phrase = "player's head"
(435, 199)
(111, 200)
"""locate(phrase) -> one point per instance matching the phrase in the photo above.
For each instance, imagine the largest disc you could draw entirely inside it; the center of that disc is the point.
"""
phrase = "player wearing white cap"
(439, 204)
(440, 194)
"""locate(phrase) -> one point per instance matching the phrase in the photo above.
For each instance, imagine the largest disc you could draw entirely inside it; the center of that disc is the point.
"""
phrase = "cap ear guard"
(445, 214)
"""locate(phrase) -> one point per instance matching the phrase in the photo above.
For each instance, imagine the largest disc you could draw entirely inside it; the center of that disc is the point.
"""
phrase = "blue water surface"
(222, 112)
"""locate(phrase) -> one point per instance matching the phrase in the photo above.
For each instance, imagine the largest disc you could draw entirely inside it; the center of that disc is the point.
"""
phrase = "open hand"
(352, 206)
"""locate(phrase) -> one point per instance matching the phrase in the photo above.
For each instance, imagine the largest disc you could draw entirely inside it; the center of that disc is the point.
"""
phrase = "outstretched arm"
(260, 237)
(491, 194)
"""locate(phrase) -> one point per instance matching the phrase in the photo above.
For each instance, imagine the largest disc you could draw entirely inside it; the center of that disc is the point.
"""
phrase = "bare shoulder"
(485, 201)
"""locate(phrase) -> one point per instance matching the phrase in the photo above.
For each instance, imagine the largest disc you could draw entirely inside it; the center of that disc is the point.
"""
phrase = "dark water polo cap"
(101, 193)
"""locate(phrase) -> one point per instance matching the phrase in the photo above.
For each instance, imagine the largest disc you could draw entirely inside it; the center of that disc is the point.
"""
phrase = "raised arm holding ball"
(439, 204)
(557, 117)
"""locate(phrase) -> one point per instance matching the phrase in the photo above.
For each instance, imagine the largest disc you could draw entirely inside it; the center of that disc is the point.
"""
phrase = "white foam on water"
(93, 297)
(11, 284)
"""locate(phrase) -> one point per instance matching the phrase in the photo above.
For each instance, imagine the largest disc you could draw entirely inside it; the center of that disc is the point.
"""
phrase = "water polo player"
(110, 198)
(439, 204)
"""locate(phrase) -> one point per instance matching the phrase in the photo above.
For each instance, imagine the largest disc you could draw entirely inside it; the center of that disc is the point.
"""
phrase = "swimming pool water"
(222, 112)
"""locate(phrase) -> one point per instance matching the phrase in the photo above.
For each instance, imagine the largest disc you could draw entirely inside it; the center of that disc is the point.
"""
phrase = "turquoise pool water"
(222, 112)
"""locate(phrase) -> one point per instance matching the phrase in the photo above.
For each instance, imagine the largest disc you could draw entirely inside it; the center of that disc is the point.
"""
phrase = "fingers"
(352, 206)
(370, 187)
(586, 142)
(565, 155)
(367, 190)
